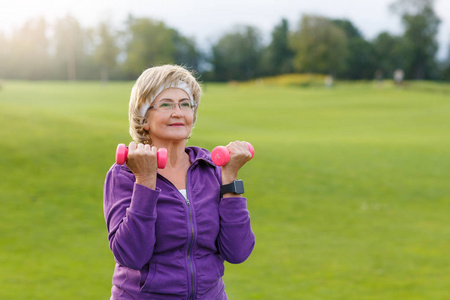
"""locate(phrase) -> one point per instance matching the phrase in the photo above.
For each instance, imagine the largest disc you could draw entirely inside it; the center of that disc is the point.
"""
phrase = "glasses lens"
(165, 106)
(185, 105)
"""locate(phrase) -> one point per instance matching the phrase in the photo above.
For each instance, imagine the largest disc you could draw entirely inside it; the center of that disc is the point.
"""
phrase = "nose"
(176, 111)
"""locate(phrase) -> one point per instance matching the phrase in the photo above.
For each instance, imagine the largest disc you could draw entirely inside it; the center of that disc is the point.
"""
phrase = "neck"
(175, 152)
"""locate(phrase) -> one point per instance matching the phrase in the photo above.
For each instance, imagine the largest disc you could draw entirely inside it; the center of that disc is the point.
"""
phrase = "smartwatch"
(236, 187)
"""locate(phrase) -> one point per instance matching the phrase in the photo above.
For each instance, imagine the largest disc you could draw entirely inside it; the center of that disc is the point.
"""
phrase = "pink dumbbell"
(221, 156)
(122, 155)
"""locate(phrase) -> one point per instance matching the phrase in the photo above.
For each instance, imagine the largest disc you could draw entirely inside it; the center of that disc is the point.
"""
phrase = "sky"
(207, 20)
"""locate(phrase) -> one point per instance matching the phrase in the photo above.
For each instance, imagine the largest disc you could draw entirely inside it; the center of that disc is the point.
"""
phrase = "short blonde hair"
(145, 89)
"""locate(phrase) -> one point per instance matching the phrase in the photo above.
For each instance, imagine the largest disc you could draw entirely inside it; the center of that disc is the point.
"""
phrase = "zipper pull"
(187, 201)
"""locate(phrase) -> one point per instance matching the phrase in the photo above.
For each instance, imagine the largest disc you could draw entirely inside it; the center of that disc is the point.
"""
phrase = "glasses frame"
(174, 104)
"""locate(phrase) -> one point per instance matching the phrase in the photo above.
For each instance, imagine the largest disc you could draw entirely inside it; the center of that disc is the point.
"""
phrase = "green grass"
(348, 192)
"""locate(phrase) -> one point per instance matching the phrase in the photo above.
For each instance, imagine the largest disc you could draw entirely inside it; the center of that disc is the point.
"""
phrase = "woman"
(171, 229)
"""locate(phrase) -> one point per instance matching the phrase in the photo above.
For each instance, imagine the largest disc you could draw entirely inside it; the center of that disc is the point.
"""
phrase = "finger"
(240, 149)
(242, 146)
(246, 146)
(238, 146)
(233, 145)
(132, 146)
(148, 149)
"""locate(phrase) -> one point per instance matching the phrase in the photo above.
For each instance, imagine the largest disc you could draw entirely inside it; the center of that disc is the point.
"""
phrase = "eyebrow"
(170, 99)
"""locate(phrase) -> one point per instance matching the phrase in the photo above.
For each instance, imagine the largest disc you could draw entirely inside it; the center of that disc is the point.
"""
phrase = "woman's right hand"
(142, 161)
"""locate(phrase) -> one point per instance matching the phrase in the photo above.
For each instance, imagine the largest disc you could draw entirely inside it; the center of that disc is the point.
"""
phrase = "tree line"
(317, 44)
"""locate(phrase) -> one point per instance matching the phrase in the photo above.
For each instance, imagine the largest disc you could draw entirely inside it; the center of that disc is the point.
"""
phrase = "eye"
(185, 104)
(165, 105)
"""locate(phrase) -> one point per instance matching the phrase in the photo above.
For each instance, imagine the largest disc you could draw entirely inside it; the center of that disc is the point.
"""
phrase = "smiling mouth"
(177, 125)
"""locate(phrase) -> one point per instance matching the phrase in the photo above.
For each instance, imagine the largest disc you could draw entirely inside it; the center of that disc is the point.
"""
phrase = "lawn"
(348, 192)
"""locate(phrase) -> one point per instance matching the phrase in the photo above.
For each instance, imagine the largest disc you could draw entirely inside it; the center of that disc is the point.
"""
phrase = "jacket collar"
(197, 153)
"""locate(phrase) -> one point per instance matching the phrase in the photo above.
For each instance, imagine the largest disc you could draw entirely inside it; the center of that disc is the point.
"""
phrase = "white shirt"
(184, 193)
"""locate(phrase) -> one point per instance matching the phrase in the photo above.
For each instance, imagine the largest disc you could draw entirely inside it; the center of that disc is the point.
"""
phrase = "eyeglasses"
(185, 105)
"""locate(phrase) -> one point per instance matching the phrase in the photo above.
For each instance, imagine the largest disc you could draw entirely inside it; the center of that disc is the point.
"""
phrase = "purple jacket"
(167, 247)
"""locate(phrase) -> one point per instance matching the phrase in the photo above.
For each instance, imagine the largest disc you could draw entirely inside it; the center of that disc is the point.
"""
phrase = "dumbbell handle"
(221, 155)
(122, 156)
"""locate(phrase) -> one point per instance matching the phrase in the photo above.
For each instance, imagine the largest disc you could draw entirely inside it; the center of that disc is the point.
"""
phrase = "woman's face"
(173, 124)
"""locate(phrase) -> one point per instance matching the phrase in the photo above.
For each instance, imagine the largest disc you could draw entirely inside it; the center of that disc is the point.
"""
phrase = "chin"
(177, 138)
(172, 136)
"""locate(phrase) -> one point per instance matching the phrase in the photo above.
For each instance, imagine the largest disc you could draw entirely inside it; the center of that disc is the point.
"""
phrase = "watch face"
(236, 187)
(239, 187)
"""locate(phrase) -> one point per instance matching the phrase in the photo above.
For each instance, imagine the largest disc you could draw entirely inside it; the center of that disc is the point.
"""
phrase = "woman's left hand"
(239, 155)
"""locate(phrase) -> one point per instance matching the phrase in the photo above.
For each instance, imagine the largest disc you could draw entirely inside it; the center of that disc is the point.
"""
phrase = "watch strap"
(236, 187)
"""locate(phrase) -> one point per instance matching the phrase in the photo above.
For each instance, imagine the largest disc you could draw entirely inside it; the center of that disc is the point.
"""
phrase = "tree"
(151, 42)
(360, 59)
(27, 51)
(421, 28)
(445, 71)
(106, 51)
(70, 44)
(280, 53)
(320, 46)
(186, 53)
(388, 51)
(236, 55)
(4, 47)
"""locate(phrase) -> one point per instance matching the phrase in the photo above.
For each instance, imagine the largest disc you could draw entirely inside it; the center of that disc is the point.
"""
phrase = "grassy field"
(349, 190)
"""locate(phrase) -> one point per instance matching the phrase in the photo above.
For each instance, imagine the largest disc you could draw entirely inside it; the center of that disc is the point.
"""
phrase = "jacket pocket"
(220, 268)
(210, 272)
(147, 277)
(163, 279)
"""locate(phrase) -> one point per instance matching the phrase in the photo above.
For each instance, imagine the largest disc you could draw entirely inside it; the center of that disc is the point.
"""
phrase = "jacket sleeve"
(236, 239)
(130, 214)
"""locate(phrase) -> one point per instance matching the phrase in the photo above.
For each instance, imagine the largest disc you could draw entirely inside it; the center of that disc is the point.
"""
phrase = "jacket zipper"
(191, 267)
(191, 243)
(191, 223)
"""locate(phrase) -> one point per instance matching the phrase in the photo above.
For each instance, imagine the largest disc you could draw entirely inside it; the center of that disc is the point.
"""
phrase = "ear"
(146, 127)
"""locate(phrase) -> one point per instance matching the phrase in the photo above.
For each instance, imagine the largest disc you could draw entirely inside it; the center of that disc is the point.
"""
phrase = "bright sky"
(208, 19)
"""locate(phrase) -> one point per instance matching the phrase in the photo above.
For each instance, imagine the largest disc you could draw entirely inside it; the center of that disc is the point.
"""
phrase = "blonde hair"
(145, 89)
